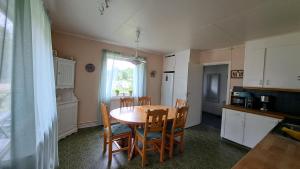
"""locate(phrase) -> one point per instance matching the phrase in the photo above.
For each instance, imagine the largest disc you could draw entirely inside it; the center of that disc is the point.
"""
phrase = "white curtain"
(109, 72)
(33, 106)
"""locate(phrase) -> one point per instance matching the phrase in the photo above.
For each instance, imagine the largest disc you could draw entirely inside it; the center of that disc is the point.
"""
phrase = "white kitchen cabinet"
(282, 67)
(65, 75)
(187, 85)
(181, 75)
(169, 63)
(256, 128)
(254, 67)
(67, 118)
(246, 128)
(234, 125)
(273, 62)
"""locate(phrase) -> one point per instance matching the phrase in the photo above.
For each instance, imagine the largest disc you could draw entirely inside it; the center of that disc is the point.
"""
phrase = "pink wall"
(234, 55)
(87, 51)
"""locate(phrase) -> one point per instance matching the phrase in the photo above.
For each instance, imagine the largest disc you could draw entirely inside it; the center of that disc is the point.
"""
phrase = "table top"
(137, 114)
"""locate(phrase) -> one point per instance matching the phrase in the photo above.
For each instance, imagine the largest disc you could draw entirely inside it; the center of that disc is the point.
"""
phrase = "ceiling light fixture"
(102, 5)
(138, 59)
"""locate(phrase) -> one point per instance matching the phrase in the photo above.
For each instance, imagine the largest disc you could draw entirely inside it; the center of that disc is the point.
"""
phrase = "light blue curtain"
(34, 117)
(140, 80)
(108, 74)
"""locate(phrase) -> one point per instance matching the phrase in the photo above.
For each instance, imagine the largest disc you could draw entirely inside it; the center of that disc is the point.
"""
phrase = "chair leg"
(144, 154)
(162, 150)
(181, 144)
(135, 145)
(110, 150)
(171, 146)
(129, 147)
(104, 142)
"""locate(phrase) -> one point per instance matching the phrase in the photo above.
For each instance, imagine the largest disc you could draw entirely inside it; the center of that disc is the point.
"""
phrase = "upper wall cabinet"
(169, 63)
(64, 73)
(282, 67)
(273, 62)
(254, 67)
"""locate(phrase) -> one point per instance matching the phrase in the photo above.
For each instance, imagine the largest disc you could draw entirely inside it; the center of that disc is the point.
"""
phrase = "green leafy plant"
(130, 92)
(117, 92)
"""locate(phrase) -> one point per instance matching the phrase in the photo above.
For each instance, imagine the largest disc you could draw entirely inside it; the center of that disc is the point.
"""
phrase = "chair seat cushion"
(119, 129)
(150, 135)
(169, 128)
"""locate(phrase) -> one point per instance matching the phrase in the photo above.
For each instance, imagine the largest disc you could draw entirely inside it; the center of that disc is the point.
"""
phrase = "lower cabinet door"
(67, 119)
(234, 125)
(256, 128)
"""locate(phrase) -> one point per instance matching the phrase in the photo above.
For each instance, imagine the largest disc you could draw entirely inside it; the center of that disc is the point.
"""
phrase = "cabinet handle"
(268, 82)
(260, 82)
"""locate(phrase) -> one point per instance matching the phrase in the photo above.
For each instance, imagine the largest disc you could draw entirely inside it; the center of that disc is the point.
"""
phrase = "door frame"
(228, 63)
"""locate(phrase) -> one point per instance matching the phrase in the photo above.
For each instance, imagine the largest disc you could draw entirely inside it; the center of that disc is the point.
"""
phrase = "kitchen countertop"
(258, 112)
(273, 152)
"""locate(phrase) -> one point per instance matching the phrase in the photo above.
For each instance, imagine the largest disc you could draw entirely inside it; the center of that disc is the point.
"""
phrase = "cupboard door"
(256, 128)
(254, 67)
(169, 63)
(234, 126)
(181, 75)
(67, 119)
(282, 67)
(65, 73)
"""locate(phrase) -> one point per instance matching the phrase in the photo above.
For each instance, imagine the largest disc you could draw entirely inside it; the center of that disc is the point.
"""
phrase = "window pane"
(6, 40)
(122, 74)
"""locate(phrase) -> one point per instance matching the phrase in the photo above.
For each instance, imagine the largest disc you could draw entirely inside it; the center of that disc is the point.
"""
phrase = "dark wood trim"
(277, 115)
(273, 89)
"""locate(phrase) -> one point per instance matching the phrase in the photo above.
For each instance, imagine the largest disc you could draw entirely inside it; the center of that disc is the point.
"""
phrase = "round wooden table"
(137, 115)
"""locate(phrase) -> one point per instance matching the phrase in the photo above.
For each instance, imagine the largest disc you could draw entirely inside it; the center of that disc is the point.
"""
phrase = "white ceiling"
(172, 25)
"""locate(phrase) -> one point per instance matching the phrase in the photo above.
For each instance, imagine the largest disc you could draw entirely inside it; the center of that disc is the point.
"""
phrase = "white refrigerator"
(167, 88)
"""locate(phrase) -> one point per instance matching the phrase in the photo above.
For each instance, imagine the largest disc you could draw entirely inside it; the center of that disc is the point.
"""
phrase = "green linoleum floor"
(203, 150)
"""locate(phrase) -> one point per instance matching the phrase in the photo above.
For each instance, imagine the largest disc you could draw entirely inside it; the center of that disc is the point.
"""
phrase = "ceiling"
(172, 25)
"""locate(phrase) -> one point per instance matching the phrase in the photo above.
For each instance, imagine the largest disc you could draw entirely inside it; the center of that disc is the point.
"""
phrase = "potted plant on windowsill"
(117, 92)
(130, 92)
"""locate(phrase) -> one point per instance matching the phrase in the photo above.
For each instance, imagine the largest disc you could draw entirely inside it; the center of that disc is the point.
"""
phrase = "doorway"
(215, 86)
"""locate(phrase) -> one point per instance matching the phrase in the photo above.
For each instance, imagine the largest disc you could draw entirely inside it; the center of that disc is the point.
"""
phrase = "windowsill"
(118, 97)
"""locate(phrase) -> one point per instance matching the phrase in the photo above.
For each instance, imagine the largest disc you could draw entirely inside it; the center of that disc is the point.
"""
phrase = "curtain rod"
(107, 50)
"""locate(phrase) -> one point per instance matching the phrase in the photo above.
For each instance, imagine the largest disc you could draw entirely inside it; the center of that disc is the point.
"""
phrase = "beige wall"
(87, 51)
(234, 55)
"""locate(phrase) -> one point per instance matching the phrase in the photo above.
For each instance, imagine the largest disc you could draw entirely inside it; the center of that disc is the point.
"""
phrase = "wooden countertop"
(258, 112)
(273, 152)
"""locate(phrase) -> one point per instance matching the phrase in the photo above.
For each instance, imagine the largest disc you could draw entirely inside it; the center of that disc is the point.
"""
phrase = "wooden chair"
(180, 103)
(127, 102)
(176, 129)
(153, 134)
(145, 100)
(113, 133)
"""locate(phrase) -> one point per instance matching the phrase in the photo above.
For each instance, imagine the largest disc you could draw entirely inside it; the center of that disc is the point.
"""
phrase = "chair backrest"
(180, 103)
(180, 118)
(145, 100)
(105, 118)
(127, 102)
(156, 121)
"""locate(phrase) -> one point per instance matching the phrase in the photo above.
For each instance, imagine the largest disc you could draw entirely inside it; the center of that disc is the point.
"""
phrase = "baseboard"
(88, 124)
(74, 130)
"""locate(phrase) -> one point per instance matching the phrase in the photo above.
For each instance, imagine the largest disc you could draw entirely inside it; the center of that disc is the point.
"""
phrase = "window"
(6, 49)
(122, 75)
(122, 83)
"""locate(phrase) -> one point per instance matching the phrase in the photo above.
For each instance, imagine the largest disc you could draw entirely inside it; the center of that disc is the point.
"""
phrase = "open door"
(194, 94)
